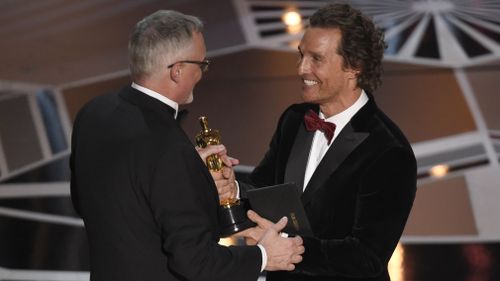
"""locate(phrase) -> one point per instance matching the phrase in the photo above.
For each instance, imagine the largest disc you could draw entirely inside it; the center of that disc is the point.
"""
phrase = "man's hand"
(254, 234)
(282, 253)
(219, 150)
(224, 179)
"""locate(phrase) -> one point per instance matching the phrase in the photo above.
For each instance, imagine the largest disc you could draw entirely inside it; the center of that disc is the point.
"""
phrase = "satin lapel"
(297, 161)
(343, 145)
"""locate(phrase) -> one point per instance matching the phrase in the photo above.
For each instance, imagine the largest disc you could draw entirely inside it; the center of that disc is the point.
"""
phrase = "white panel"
(484, 190)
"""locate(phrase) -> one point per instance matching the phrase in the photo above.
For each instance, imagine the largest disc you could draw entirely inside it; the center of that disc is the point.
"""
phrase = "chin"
(189, 99)
(309, 97)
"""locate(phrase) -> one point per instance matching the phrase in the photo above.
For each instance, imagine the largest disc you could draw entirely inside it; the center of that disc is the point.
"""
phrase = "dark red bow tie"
(314, 122)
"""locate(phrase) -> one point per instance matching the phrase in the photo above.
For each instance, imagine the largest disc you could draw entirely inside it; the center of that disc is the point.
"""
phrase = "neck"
(340, 103)
(156, 85)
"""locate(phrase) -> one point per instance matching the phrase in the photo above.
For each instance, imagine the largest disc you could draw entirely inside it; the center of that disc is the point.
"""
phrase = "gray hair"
(158, 38)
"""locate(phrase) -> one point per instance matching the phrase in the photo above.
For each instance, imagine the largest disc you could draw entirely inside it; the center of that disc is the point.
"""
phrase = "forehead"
(198, 40)
(320, 40)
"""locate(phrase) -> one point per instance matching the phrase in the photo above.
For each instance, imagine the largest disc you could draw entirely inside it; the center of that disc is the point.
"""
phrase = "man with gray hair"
(148, 201)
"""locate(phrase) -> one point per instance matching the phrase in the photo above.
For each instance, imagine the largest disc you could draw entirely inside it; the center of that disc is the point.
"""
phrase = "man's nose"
(302, 66)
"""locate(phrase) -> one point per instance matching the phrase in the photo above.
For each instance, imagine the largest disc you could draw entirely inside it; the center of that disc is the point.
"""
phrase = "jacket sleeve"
(184, 204)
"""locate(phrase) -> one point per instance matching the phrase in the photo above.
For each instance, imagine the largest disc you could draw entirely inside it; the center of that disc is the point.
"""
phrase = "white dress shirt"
(320, 144)
(157, 96)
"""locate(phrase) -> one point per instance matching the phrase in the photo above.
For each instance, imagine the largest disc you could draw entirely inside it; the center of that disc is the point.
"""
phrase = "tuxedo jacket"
(358, 198)
(148, 201)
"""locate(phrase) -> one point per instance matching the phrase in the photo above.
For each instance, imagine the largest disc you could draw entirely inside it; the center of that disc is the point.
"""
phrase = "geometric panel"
(20, 140)
(61, 205)
(395, 43)
(485, 83)
(463, 158)
(51, 119)
(484, 186)
(428, 47)
(425, 102)
(56, 170)
(76, 97)
(442, 207)
(451, 155)
(439, 33)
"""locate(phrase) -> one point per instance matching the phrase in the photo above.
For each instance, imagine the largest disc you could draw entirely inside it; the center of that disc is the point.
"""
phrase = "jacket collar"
(146, 102)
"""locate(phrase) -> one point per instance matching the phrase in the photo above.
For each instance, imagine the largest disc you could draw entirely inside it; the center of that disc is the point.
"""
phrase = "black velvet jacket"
(358, 199)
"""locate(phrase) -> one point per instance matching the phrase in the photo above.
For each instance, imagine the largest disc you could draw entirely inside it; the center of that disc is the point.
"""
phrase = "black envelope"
(277, 201)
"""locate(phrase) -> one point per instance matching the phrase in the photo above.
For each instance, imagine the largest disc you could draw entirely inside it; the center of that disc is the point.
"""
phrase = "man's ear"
(353, 73)
(176, 72)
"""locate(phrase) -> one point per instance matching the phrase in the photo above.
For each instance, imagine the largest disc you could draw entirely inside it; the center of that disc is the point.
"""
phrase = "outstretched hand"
(225, 179)
(282, 253)
(254, 234)
(220, 150)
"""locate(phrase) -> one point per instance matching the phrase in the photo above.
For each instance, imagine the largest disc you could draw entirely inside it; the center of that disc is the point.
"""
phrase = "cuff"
(237, 190)
(264, 257)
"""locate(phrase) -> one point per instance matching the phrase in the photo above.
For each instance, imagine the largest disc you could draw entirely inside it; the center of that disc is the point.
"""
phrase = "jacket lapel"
(296, 164)
(343, 145)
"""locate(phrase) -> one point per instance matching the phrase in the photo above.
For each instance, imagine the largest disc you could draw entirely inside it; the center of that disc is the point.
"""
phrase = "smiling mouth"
(308, 82)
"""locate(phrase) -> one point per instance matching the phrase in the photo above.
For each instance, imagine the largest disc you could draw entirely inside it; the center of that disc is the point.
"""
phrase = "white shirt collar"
(342, 118)
(157, 96)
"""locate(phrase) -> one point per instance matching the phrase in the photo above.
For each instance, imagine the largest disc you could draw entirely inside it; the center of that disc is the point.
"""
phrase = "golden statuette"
(206, 137)
(232, 211)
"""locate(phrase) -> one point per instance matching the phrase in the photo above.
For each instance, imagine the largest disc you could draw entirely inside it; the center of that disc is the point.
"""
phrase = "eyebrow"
(315, 54)
(310, 52)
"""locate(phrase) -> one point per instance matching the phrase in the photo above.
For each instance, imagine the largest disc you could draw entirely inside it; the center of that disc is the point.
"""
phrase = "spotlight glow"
(396, 264)
(439, 171)
(291, 18)
(293, 21)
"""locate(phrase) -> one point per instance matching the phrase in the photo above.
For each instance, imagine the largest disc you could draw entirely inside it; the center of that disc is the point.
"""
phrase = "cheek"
(193, 81)
(329, 76)
(199, 75)
(323, 73)
(189, 98)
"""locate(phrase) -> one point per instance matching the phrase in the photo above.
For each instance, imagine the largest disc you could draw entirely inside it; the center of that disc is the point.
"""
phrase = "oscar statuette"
(232, 211)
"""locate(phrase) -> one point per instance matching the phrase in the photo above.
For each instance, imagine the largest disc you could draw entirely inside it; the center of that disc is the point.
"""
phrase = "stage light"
(291, 17)
(396, 264)
(292, 20)
(439, 171)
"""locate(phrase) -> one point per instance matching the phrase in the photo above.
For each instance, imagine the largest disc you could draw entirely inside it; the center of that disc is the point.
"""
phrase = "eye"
(317, 58)
(300, 56)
